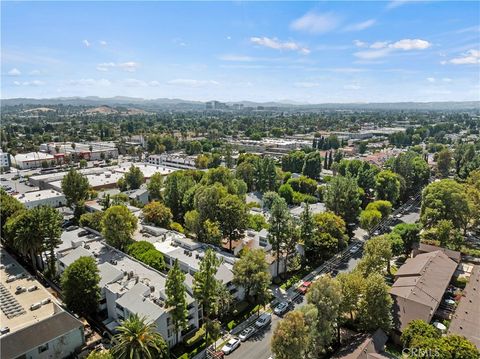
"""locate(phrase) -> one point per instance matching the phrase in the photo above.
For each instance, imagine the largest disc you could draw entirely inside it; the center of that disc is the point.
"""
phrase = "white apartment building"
(47, 197)
(4, 160)
(128, 286)
(34, 326)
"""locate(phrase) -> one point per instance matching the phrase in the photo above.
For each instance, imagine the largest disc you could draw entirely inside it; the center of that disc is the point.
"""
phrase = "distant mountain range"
(179, 104)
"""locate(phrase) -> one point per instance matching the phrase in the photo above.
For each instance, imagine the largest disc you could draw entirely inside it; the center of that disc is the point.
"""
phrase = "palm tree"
(138, 339)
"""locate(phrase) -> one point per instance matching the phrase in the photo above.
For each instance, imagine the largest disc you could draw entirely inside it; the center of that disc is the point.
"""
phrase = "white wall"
(61, 347)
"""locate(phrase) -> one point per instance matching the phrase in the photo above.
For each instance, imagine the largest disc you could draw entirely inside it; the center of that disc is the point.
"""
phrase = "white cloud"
(471, 57)
(229, 37)
(306, 84)
(316, 23)
(29, 83)
(192, 82)
(14, 72)
(359, 43)
(89, 82)
(86, 43)
(274, 43)
(379, 45)
(359, 26)
(103, 43)
(384, 48)
(352, 87)
(410, 44)
(431, 79)
(447, 79)
(236, 58)
(372, 54)
(130, 66)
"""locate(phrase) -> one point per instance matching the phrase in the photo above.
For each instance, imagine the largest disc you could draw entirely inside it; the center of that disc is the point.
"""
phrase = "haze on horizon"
(304, 51)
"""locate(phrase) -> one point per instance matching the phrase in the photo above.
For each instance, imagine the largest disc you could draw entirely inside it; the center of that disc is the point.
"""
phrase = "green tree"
(134, 178)
(329, 236)
(352, 286)
(136, 249)
(176, 185)
(246, 172)
(286, 192)
(409, 233)
(118, 225)
(92, 220)
(377, 255)
(445, 233)
(157, 213)
(206, 287)
(293, 162)
(387, 186)
(138, 339)
(444, 162)
(23, 231)
(460, 347)
(369, 219)
(268, 199)
(212, 232)
(375, 307)
(155, 185)
(75, 186)
(290, 337)
(412, 167)
(177, 298)
(312, 165)
(100, 354)
(445, 200)
(307, 227)
(50, 227)
(232, 217)
(418, 330)
(384, 207)
(252, 273)
(10, 207)
(153, 258)
(256, 222)
(80, 286)
(279, 227)
(326, 295)
(342, 197)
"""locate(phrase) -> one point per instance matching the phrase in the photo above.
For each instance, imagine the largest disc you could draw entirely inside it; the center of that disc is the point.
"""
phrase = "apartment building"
(33, 325)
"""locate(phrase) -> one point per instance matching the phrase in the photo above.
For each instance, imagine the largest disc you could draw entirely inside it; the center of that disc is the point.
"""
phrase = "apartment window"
(42, 348)
(169, 322)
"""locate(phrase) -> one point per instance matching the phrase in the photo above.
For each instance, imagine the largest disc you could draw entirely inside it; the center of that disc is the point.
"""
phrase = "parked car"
(281, 308)
(231, 345)
(83, 233)
(303, 289)
(247, 333)
(264, 320)
(71, 228)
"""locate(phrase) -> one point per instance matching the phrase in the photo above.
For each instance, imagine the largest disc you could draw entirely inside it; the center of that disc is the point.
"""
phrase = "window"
(168, 322)
(42, 348)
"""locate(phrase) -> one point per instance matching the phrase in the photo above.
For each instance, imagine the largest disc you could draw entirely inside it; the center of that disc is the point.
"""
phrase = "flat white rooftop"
(37, 195)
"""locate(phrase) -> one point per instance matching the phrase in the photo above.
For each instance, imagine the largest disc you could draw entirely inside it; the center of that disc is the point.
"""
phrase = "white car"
(264, 320)
(247, 333)
(281, 308)
(231, 345)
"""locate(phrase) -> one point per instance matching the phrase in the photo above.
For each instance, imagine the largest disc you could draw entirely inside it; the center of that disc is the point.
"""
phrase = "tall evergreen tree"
(279, 227)
(177, 298)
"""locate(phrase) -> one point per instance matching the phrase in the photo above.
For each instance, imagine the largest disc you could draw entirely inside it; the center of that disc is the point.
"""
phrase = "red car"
(303, 289)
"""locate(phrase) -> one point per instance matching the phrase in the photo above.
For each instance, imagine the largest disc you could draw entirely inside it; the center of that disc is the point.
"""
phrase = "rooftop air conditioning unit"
(35, 306)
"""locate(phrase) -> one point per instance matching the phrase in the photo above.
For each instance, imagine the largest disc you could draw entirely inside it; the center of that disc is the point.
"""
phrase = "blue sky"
(310, 52)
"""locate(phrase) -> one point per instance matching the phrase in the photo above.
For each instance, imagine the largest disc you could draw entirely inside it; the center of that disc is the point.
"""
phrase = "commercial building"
(47, 197)
(93, 151)
(33, 324)
(419, 287)
(4, 160)
(32, 160)
(466, 320)
(175, 161)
